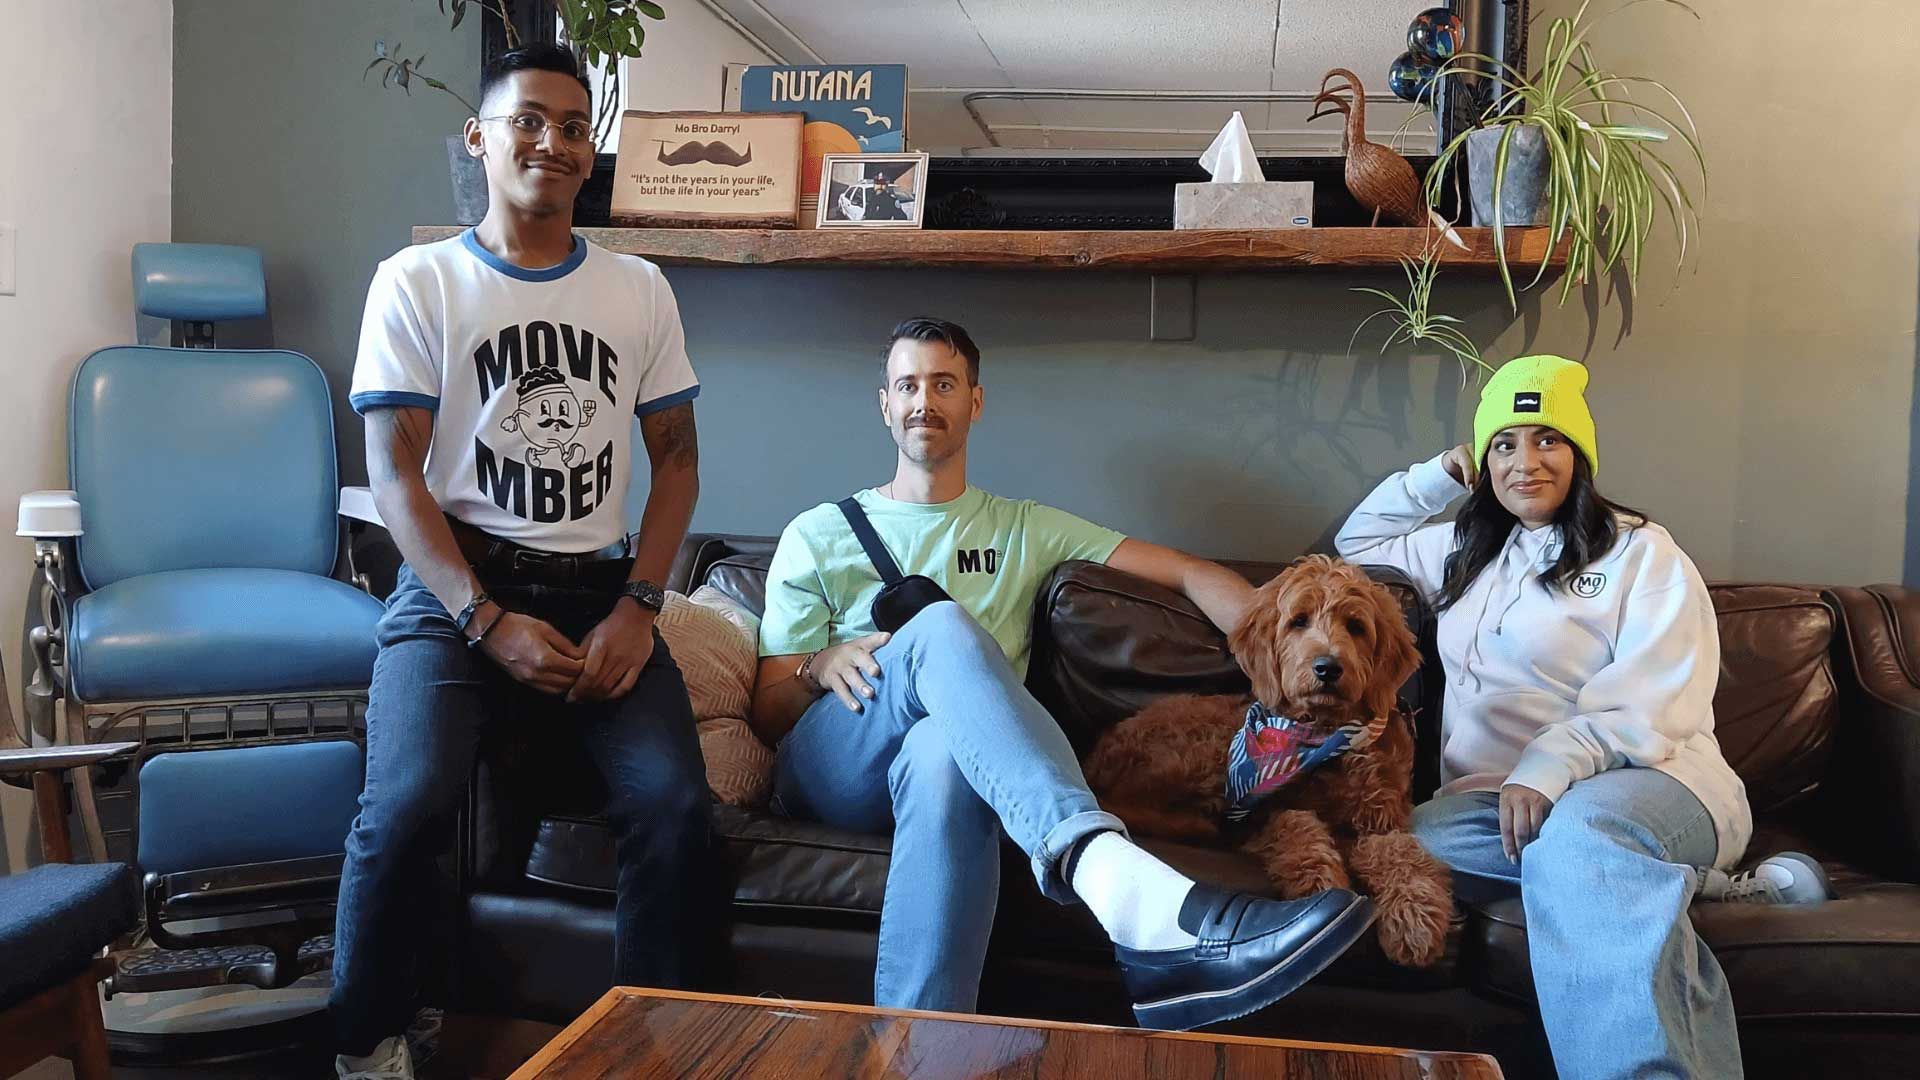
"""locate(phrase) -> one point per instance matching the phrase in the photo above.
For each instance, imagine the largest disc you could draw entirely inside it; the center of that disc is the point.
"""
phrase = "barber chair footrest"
(151, 969)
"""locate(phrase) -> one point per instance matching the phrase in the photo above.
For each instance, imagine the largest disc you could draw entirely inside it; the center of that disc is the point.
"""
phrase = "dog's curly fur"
(1163, 770)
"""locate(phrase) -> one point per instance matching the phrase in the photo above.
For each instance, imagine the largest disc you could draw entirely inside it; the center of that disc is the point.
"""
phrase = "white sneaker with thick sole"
(391, 1060)
(1786, 878)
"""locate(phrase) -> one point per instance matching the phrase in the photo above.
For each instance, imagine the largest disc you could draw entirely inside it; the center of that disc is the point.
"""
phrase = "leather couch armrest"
(1874, 782)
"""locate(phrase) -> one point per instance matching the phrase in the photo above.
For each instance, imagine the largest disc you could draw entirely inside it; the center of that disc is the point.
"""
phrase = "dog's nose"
(1327, 669)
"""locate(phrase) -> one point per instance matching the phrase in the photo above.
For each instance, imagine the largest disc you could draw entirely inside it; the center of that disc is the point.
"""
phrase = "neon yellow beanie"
(1543, 390)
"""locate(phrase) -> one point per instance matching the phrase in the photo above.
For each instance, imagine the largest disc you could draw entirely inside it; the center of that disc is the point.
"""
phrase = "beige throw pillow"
(715, 643)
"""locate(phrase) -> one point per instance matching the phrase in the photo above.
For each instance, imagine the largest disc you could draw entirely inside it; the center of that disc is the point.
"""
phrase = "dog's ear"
(1396, 650)
(1255, 642)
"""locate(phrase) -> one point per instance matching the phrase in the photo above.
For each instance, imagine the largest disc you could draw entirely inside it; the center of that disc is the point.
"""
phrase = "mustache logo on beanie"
(1536, 391)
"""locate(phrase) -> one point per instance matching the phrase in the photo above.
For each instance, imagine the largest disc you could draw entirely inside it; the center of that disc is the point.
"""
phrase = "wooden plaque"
(708, 170)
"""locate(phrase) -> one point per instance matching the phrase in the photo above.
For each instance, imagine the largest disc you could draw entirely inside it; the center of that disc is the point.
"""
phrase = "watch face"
(648, 594)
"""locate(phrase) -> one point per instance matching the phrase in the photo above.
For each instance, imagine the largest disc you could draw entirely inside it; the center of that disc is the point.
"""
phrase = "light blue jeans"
(950, 749)
(1626, 988)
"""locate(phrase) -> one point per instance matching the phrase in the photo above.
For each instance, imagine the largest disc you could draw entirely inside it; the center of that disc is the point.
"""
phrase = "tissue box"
(1273, 204)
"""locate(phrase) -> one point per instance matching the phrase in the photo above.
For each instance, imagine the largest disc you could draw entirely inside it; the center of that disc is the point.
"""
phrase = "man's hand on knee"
(845, 669)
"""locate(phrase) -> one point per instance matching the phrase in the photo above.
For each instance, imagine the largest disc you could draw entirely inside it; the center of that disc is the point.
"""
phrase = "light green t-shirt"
(989, 553)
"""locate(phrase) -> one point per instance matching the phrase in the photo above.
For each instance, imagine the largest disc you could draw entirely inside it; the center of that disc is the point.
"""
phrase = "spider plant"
(1412, 317)
(600, 33)
(1606, 178)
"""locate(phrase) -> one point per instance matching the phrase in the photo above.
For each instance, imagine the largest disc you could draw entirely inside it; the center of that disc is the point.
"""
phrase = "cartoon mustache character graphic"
(716, 152)
(549, 404)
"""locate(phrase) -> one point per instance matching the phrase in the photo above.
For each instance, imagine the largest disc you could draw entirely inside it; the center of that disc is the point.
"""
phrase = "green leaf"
(651, 11)
(459, 12)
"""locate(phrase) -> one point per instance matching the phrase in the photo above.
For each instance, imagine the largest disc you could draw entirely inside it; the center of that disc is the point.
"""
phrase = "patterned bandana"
(1271, 751)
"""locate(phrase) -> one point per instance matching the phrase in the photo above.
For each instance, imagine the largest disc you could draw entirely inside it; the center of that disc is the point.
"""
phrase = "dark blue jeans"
(430, 698)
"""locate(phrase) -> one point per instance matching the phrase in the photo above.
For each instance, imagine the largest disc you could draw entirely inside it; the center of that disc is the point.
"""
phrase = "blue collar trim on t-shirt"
(546, 273)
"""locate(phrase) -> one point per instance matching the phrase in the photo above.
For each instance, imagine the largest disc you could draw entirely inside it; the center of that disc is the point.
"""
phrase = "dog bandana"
(1271, 751)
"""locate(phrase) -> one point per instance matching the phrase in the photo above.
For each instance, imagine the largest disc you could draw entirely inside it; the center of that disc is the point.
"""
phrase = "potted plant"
(1412, 319)
(1569, 148)
(600, 32)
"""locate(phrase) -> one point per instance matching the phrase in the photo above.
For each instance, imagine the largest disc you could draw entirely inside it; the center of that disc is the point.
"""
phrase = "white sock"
(1135, 896)
(391, 1060)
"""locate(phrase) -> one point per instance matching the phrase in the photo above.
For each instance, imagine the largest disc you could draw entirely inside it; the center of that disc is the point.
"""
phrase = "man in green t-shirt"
(928, 733)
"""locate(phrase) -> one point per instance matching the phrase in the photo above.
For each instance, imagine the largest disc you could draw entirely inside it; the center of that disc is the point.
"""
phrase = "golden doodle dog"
(1326, 649)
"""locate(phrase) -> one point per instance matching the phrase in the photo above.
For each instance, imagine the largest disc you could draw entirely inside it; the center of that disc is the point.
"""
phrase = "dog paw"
(1413, 930)
(1300, 882)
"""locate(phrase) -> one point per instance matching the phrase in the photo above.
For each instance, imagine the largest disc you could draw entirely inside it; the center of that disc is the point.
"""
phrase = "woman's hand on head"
(1459, 464)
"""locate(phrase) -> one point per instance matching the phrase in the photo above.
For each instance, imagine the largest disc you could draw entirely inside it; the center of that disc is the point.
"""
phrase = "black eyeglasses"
(528, 126)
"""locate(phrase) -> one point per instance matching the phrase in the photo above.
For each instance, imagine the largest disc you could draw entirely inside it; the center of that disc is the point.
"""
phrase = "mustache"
(715, 152)
(555, 421)
(926, 421)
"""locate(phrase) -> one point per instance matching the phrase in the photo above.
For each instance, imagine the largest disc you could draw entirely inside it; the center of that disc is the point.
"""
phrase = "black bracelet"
(474, 642)
(461, 620)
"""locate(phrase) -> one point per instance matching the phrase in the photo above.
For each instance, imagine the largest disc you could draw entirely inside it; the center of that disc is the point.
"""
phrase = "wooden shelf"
(1183, 251)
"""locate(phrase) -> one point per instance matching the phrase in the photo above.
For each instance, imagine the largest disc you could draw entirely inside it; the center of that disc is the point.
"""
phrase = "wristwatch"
(646, 594)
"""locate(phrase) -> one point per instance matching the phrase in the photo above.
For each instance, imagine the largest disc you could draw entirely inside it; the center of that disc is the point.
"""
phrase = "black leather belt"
(500, 561)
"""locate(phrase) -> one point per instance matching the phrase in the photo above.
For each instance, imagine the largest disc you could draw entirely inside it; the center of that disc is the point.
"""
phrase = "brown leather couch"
(1818, 709)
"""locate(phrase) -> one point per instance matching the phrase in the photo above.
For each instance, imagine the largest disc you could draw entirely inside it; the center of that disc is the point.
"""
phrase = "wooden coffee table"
(649, 1033)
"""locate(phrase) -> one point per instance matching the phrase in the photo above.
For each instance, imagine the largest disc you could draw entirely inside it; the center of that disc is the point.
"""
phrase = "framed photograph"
(872, 191)
(707, 169)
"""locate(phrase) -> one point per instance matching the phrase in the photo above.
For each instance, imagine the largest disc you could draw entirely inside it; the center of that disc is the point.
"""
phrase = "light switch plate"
(6, 260)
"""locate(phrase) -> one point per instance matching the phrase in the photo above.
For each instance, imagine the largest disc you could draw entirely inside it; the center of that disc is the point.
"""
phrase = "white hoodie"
(1548, 687)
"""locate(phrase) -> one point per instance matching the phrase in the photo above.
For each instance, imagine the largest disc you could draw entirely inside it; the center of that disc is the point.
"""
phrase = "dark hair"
(544, 56)
(924, 328)
(1588, 529)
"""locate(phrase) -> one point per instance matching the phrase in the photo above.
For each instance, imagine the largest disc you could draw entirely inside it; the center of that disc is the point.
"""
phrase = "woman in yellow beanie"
(1578, 760)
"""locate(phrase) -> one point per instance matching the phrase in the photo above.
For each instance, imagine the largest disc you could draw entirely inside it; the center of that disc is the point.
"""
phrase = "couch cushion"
(54, 918)
(777, 862)
(804, 868)
(1777, 704)
(192, 633)
(1858, 955)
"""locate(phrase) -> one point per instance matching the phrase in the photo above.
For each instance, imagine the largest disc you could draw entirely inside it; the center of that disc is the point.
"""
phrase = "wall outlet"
(6, 260)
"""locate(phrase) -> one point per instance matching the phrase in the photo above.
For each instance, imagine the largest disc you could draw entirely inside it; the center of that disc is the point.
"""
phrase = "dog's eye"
(1356, 628)
(1299, 623)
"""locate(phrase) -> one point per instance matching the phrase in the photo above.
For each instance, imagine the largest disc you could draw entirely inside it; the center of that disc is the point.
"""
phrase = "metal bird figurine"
(1380, 180)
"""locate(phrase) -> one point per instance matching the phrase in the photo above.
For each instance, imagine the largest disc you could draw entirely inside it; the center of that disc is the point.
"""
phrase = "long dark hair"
(1589, 526)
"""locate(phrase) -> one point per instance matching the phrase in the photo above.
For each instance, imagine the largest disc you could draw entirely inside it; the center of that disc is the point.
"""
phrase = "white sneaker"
(1786, 878)
(391, 1060)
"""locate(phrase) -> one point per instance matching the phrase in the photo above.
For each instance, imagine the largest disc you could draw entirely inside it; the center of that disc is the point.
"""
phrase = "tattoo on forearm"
(670, 436)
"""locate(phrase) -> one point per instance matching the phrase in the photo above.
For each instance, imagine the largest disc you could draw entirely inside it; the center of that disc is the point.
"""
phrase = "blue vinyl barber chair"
(185, 602)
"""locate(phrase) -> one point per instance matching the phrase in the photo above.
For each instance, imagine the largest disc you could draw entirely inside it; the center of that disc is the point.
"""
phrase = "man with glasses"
(497, 373)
